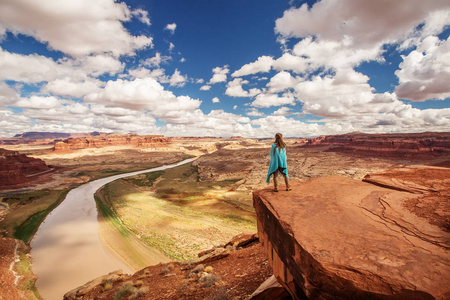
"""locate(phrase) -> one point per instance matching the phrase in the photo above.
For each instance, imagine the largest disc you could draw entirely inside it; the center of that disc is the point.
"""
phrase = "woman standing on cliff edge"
(278, 162)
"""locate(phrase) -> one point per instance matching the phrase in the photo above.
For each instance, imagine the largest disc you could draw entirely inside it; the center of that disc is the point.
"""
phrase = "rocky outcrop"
(233, 276)
(340, 238)
(400, 146)
(18, 168)
(144, 141)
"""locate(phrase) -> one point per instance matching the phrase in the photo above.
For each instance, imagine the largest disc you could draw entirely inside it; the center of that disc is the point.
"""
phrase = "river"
(66, 249)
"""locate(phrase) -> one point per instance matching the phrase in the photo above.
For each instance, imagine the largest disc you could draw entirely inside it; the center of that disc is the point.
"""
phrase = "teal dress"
(278, 161)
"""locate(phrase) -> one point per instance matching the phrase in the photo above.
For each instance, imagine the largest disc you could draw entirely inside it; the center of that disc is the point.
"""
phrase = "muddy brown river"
(66, 249)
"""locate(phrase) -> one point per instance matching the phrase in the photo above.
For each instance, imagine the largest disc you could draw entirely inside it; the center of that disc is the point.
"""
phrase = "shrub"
(107, 286)
(221, 294)
(125, 290)
(208, 279)
(208, 269)
(142, 291)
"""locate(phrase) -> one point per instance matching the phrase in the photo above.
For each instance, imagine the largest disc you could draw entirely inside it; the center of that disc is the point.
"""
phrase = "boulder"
(269, 290)
(81, 291)
(217, 254)
(339, 238)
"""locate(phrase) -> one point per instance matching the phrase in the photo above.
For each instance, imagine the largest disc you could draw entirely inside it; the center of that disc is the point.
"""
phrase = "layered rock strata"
(401, 146)
(339, 238)
(145, 141)
(17, 168)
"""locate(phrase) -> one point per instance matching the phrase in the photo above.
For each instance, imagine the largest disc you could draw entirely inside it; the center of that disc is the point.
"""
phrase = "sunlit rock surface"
(340, 238)
(401, 146)
(147, 141)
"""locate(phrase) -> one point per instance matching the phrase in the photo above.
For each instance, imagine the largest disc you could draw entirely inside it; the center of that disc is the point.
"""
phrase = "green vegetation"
(175, 212)
(27, 283)
(28, 210)
(125, 290)
(105, 209)
(146, 179)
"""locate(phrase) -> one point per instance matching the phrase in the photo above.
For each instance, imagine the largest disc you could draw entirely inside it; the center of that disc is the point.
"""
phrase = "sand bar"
(66, 250)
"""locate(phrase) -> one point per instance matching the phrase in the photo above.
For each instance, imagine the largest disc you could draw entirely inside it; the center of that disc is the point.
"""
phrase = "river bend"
(66, 249)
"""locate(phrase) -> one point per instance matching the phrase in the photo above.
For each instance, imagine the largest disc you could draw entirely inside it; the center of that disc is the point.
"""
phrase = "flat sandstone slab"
(339, 238)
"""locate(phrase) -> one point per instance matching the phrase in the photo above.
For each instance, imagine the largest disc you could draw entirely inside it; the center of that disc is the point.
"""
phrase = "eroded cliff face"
(340, 238)
(144, 141)
(401, 146)
(17, 168)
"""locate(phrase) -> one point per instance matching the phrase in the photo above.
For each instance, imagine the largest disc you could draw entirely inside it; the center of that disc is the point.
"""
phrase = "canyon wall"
(144, 141)
(17, 168)
(401, 146)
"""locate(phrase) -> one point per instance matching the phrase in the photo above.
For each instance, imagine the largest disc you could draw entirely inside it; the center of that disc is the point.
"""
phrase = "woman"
(278, 162)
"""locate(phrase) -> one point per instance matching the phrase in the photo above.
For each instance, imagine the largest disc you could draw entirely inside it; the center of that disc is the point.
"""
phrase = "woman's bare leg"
(286, 181)
(275, 182)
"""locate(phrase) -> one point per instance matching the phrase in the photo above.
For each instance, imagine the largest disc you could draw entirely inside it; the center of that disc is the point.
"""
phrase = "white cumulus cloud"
(76, 28)
(220, 74)
(268, 100)
(425, 72)
(262, 64)
(177, 79)
(234, 89)
(171, 27)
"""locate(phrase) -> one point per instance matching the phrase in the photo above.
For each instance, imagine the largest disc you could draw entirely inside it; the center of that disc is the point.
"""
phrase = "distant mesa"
(398, 146)
(144, 141)
(42, 135)
(44, 138)
(18, 168)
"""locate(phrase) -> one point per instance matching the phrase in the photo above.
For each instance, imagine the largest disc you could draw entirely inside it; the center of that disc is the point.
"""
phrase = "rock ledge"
(339, 238)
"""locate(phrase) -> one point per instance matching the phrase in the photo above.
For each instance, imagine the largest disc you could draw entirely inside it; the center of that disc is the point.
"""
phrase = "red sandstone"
(339, 238)
(401, 146)
(145, 141)
(17, 168)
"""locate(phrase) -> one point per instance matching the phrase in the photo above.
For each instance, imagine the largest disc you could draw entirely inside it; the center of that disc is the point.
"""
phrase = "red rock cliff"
(411, 145)
(339, 238)
(16, 168)
(145, 141)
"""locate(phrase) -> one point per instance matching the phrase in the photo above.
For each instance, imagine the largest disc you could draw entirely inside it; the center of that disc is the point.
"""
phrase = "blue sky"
(224, 68)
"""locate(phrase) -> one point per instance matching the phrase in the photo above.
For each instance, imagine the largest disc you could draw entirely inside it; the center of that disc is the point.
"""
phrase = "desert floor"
(178, 212)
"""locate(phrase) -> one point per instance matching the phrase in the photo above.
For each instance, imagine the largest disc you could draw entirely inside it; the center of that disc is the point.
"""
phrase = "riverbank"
(67, 250)
(123, 243)
(23, 209)
(175, 212)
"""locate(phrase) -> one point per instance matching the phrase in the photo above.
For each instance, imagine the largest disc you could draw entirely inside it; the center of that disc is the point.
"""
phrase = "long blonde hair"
(279, 141)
